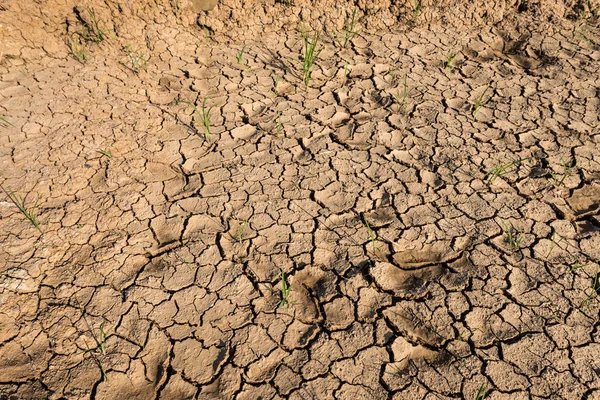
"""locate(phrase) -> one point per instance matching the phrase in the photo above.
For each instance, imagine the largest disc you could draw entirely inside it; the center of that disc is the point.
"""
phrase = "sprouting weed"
(349, 26)
(240, 56)
(29, 213)
(95, 28)
(372, 235)
(105, 152)
(278, 124)
(204, 116)
(592, 292)
(7, 122)
(416, 11)
(401, 98)
(241, 230)
(448, 63)
(500, 170)
(567, 167)
(480, 102)
(554, 244)
(78, 48)
(310, 53)
(514, 241)
(100, 341)
(276, 85)
(345, 70)
(482, 392)
(285, 292)
(431, 119)
(137, 59)
(575, 265)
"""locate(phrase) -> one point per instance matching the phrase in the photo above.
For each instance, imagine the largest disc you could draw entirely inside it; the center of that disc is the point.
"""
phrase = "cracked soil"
(420, 222)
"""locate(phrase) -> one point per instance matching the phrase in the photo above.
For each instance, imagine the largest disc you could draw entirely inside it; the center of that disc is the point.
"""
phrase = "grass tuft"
(349, 29)
(567, 167)
(500, 170)
(415, 12)
(240, 56)
(593, 292)
(30, 212)
(310, 53)
(448, 62)
(78, 48)
(240, 232)
(100, 340)
(95, 28)
(514, 240)
(137, 59)
(285, 292)
(204, 115)
(482, 392)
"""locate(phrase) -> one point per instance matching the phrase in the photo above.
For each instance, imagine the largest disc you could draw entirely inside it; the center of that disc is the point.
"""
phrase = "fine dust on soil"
(437, 221)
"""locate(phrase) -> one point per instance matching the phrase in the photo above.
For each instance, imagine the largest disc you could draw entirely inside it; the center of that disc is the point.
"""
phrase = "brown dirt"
(160, 253)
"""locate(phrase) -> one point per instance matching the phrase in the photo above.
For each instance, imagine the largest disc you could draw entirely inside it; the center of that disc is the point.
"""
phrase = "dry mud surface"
(382, 191)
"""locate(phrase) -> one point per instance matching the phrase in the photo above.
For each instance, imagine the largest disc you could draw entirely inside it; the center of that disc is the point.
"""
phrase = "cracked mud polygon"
(420, 221)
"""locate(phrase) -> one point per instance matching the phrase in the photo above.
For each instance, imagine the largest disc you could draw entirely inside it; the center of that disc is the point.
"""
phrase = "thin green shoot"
(78, 49)
(448, 63)
(29, 213)
(240, 56)
(575, 265)
(592, 292)
(401, 98)
(285, 292)
(514, 240)
(95, 27)
(500, 170)
(276, 85)
(480, 102)
(100, 340)
(345, 70)
(538, 315)
(349, 26)
(482, 392)
(137, 59)
(431, 119)
(310, 54)
(100, 347)
(372, 235)
(278, 124)
(105, 152)
(567, 167)
(207, 33)
(462, 338)
(416, 11)
(7, 122)
(554, 244)
(204, 116)
(393, 76)
(241, 230)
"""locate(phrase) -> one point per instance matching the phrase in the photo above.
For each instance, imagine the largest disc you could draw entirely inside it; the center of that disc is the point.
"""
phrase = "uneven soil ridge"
(419, 221)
